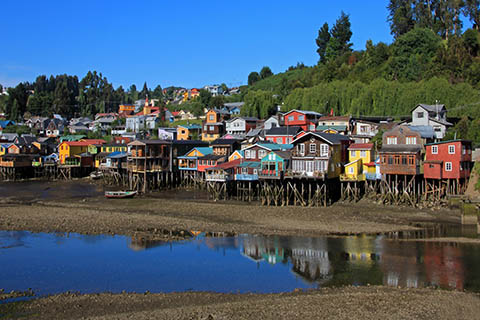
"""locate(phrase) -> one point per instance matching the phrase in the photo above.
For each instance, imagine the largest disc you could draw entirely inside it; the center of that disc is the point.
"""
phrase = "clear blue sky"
(187, 43)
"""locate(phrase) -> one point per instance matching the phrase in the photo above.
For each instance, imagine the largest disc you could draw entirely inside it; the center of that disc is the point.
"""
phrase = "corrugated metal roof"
(425, 131)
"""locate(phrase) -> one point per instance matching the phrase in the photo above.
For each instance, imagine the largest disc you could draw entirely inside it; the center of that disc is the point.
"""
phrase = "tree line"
(69, 96)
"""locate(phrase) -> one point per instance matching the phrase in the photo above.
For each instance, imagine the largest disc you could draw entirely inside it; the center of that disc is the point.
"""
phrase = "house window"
(324, 150)
(205, 128)
(451, 149)
(363, 153)
(211, 128)
(279, 140)
(290, 118)
(411, 140)
(419, 114)
(434, 149)
(301, 118)
(448, 166)
(390, 160)
(351, 170)
(301, 149)
(261, 153)
(464, 150)
(247, 154)
(253, 154)
(404, 161)
(313, 148)
(391, 140)
(411, 160)
(211, 117)
(354, 153)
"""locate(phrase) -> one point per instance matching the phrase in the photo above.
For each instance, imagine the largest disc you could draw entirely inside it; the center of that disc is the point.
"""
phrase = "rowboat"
(120, 194)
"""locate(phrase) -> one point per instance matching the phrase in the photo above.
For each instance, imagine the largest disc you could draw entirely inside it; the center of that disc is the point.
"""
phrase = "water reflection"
(52, 263)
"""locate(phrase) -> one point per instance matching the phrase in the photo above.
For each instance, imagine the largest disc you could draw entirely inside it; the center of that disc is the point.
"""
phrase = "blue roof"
(4, 123)
(117, 154)
(425, 131)
(250, 164)
(203, 150)
(275, 146)
(191, 126)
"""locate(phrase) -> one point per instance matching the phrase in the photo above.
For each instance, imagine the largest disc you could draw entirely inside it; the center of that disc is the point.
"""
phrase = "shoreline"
(153, 216)
(371, 302)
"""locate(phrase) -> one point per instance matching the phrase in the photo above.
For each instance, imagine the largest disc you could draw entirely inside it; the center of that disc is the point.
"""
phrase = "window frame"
(448, 166)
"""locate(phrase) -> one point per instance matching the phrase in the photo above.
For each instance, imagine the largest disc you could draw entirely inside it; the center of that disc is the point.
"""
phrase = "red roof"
(361, 146)
(94, 141)
(370, 164)
(227, 165)
(175, 113)
(77, 143)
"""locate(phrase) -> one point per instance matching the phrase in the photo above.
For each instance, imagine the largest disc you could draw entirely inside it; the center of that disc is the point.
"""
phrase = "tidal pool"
(54, 263)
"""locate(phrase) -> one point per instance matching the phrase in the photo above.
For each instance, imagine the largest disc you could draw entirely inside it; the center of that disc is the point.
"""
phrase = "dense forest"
(430, 61)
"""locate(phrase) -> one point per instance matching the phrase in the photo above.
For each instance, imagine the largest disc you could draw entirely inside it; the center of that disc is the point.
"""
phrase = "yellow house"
(114, 148)
(361, 164)
(213, 127)
(188, 132)
(4, 148)
(69, 149)
(237, 154)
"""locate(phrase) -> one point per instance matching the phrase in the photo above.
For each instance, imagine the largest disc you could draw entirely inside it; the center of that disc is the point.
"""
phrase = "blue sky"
(187, 43)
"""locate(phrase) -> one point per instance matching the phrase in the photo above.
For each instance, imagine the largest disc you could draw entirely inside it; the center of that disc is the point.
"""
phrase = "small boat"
(96, 175)
(120, 194)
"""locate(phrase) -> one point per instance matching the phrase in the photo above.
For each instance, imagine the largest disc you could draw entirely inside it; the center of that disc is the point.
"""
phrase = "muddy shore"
(151, 216)
(331, 303)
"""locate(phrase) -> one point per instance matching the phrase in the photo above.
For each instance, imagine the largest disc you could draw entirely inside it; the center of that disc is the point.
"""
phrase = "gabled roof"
(350, 163)
(191, 126)
(250, 164)
(226, 165)
(312, 113)
(361, 146)
(331, 138)
(283, 154)
(276, 131)
(202, 150)
(431, 108)
(271, 146)
(254, 132)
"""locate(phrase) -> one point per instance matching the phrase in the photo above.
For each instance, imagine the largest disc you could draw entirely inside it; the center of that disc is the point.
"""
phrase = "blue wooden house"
(274, 164)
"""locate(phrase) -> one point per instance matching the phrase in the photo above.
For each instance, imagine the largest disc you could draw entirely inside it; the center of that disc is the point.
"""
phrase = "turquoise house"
(274, 164)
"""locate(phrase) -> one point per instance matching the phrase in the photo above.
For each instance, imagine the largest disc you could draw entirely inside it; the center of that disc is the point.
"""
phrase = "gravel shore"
(333, 303)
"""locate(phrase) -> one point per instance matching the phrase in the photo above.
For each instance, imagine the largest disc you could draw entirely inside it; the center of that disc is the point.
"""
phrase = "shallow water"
(54, 263)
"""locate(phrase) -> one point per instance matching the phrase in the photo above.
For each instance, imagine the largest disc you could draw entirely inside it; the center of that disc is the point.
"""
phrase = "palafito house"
(237, 154)
(190, 160)
(361, 165)
(188, 132)
(213, 126)
(70, 149)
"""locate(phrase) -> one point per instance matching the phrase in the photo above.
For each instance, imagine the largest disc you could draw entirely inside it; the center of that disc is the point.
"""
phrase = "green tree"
(204, 98)
(253, 77)
(471, 9)
(265, 72)
(339, 42)
(400, 16)
(322, 41)
(145, 92)
(471, 41)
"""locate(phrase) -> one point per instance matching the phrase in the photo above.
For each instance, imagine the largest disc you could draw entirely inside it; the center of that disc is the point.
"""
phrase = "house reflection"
(444, 266)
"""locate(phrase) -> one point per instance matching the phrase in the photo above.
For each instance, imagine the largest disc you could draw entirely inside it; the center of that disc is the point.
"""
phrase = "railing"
(246, 177)
(217, 177)
(305, 174)
(271, 174)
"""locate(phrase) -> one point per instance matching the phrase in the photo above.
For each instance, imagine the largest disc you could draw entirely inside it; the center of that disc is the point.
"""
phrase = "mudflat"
(153, 215)
(329, 303)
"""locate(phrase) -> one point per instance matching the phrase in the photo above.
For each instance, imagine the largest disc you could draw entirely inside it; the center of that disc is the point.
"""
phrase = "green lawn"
(185, 122)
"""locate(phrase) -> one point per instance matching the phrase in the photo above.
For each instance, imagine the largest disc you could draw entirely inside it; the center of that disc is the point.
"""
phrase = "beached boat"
(96, 175)
(120, 194)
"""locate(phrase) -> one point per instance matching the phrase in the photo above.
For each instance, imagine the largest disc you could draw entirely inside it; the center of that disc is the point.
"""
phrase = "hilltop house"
(240, 125)
(434, 116)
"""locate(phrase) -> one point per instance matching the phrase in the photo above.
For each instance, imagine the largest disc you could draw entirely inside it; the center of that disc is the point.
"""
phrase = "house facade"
(307, 120)
(361, 164)
(434, 116)
(335, 124)
(213, 126)
(240, 125)
(274, 165)
(282, 135)
(448, 160)
(189, 132)
(319, 155)
(401, 153)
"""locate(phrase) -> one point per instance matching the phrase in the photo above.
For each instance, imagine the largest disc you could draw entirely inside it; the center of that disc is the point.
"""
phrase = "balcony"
(270, 174)
(218, 177)
(246, 177)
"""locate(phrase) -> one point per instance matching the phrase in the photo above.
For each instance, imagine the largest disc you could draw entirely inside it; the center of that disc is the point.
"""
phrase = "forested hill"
(430, 61)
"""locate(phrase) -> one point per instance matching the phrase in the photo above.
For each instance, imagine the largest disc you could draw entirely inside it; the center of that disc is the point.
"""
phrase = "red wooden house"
(282, 134)
(209, 161)
(448, 160)
(307, 120)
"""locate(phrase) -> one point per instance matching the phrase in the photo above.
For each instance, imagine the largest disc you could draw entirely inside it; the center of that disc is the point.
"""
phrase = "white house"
(271, 122)
(135, 124)
(434, 116)
(240, 125)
